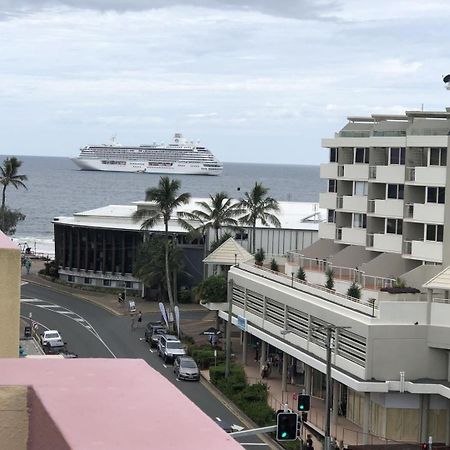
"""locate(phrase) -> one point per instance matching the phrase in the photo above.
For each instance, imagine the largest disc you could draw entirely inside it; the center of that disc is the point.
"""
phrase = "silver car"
(186, 368)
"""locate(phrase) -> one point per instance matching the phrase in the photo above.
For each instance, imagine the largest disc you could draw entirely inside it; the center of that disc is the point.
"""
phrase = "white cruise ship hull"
(178, 168)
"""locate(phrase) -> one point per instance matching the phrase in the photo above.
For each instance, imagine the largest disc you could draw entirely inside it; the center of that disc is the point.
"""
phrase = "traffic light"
(304, 403)
(287, 426)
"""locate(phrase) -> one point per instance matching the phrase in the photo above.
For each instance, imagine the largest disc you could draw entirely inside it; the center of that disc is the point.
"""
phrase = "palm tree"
(166, 199)
(218, 212)
(9, 176)
(258, 205)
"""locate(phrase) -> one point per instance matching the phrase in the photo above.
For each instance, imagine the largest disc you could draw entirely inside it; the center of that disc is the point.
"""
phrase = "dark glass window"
(431, 195)
(397, 155)
(431, 232)
(333, 154)
(440, 233)
(331, 216)
(390, 226)
(332, 186)
(392, 191)
(441, 195)
(361, 155)
(443, 156)
(401, 191)
(435, 156)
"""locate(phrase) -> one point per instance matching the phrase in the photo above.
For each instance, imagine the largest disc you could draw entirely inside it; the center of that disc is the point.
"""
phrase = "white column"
(244, 347)
(366, 418)
(424, 406)
(335, 402)
(447, 431)
(263, 356)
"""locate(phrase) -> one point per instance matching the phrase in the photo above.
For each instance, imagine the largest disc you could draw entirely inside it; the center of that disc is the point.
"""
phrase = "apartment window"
(87, 281)
(434, 233)
(332, 186)
(396, 191)
(128, 284)
(436, 195)
(333, 154)
(107, 283)
(331, 216)
(361, 155)
(397, 155)
(70, 278)
(360, 187)
(359, 220)
(438, 156)
(394, 226)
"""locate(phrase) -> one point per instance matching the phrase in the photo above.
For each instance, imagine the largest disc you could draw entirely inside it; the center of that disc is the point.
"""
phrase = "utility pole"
(328, 400)
(228, 339)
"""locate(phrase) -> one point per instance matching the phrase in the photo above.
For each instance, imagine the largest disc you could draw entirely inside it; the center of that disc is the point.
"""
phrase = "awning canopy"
(440, 281)
(227, 254)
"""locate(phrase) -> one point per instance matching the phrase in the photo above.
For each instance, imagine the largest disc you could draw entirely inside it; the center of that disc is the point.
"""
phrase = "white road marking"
(31, 300)
(141, 339)
(23, 283)
(50, 306)
(165, 366)
(218, 419)
(151, 351)
(235, 427)
(67, 312)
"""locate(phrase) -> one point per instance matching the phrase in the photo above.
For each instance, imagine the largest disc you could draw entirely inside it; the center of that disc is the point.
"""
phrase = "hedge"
(204, 356)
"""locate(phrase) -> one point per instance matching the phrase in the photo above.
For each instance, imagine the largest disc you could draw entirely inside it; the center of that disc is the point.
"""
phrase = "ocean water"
(56, 187)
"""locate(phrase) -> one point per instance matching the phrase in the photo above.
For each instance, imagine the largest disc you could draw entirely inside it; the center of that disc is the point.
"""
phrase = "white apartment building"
(387, 178)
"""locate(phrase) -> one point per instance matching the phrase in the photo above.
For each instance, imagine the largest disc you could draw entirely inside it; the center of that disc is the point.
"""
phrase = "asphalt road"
(91, 331)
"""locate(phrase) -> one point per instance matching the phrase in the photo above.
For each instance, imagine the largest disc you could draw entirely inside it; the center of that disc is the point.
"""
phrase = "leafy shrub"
(204, 356)
(354, 291)
(217, 373)
(260, 412)
(213, 289)
(330, 279)
(184, 296)
(216, 244)
(260, 256)
(274, 265)
(50, 269)
(301, 275)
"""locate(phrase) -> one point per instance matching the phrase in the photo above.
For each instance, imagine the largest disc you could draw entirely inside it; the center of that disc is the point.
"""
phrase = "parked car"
(54, 347)
(169, 347)
(153, 331)
(50, 336)
(185, 368)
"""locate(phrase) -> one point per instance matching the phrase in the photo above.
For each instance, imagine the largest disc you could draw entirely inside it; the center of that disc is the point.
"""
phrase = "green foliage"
(330, 279)
(9, 219)
(149, 266)
(274, 265)
(260, 256)
(184, 296)
(204, 356)
(354, 290)
(251, 399)
(399, 283)
(50, 269)
(212, 290)
(216, 244)
(301, 274)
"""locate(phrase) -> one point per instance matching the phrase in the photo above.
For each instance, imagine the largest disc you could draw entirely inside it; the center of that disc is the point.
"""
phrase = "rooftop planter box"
(405, 294)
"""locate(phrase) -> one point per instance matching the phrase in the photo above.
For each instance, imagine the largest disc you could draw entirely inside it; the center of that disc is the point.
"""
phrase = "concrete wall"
(9, 297)
(13, 417)
(43, 432)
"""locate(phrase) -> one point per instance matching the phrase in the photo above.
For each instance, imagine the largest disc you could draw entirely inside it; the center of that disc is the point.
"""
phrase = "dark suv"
(152, 332)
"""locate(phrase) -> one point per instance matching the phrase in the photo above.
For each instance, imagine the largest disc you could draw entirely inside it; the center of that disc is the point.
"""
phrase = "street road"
(91, 331)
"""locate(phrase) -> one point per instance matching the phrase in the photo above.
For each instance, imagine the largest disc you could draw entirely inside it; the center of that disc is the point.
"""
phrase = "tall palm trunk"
(3, 196)
(254, 237)
(169, 286)
(2, 210)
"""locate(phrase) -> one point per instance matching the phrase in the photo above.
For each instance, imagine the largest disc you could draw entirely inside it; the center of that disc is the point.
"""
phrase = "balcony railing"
(410, 174)
(340, 272)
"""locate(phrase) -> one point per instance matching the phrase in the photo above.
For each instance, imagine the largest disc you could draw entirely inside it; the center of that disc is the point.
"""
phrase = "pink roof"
(6, 242)
(115, 404)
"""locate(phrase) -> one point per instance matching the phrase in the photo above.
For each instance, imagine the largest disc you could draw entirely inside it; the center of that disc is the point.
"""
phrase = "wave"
(38, 245)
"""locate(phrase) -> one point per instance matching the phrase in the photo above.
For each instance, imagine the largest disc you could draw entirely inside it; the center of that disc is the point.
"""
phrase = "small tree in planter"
(260, 256)
(330, 279)
(354, 291)
(274, 265)
(301, 275)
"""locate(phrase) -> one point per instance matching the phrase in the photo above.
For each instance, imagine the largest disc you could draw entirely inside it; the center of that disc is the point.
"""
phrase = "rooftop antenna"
(446, 80)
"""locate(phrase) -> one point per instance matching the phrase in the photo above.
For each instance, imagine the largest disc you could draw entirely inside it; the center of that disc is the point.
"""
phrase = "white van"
(169, 347)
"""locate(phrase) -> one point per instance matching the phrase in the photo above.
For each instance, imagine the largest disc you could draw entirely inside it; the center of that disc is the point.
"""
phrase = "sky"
(254, 80)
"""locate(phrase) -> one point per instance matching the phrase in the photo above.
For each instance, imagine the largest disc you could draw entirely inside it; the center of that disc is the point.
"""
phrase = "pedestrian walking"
(309, 442)
(257, 351)
(139, 318)
(28, 265)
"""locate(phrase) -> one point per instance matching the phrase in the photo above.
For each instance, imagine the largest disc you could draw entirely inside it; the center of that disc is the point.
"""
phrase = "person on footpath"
(28, 265)
(309, 442)
(139, 318)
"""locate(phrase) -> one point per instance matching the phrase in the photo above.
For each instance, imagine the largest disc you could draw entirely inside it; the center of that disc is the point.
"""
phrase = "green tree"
(301, 274)
(216, 244)
(213, 289)
(9, 219)
(354, 290)
(149, 266)
(329, 284)
(166, 199)
(216, 213)
(258, 205)
(9, 176)
(274, 265)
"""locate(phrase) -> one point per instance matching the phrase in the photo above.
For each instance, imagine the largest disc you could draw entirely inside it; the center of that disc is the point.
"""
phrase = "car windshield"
(52, 336)
(174, 345)
(188, 364)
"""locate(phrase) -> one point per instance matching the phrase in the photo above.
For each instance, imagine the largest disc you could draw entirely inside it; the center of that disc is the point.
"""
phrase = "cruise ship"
(180, 157)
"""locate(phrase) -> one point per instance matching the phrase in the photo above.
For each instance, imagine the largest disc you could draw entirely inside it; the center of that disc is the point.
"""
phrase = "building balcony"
(328, 170)
(327, 230)
(351, 236)
(394, 174)
(384, 242)
(327, 200)
(426, 176)
(352, 203)
(386, 208)
(425, 212)
(353, 171)
(423, 250)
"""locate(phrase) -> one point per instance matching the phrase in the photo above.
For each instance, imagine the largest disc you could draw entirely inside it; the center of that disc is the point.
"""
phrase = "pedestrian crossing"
(58, 309)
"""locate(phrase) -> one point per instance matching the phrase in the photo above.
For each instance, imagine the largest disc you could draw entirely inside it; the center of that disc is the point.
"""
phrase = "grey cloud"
(300, 9)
